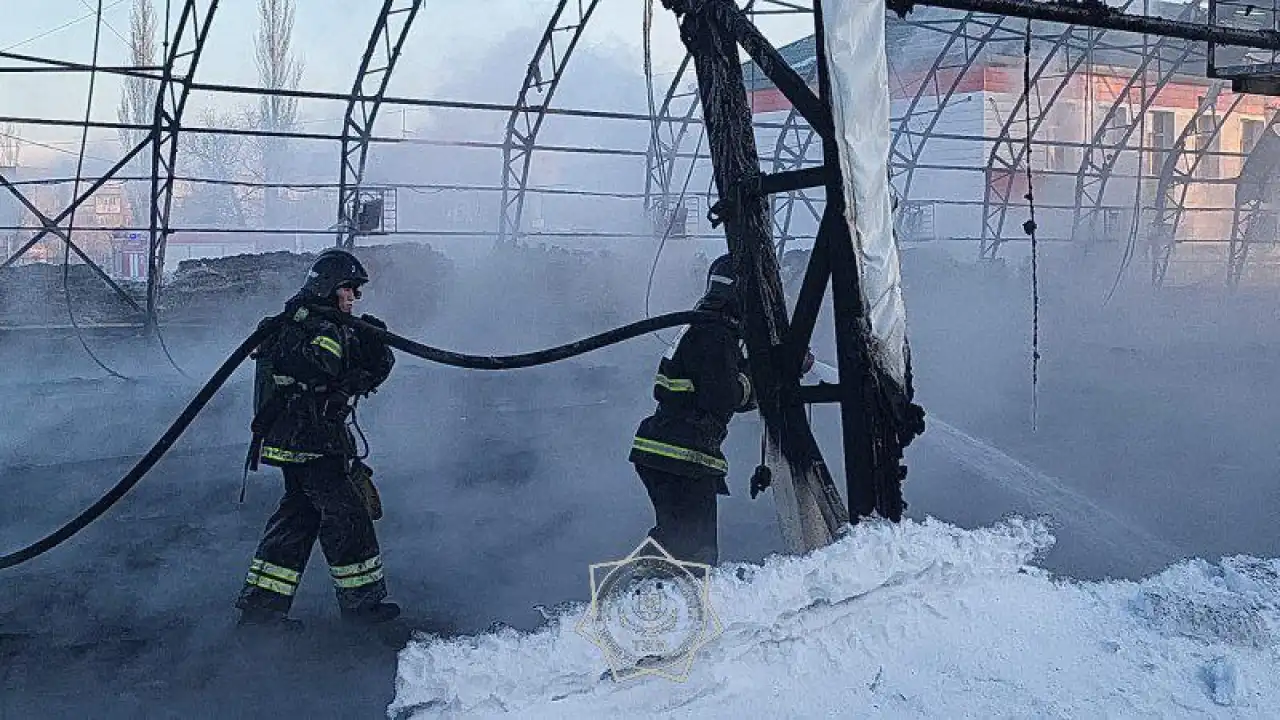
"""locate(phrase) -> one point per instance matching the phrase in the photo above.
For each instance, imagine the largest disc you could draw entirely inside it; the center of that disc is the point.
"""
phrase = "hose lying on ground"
(426, 352)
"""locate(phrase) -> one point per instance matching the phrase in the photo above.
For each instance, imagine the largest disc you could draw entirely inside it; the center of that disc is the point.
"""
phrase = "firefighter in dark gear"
(701, 382)
(316, 370)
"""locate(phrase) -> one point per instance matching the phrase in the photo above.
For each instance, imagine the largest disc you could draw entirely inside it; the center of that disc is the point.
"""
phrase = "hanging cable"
(165, 348)
(75, 192)
(653, 269)
(665, 179)
(1131, 244)
(654, 133)
(1029, 227)
(155, 325)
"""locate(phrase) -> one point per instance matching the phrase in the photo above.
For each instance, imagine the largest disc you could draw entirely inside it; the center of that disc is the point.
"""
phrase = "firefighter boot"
(372, 614)
(269, 619)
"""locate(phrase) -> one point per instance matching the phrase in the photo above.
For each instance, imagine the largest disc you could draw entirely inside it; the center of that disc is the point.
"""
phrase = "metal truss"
(679, 110)
(370, 86)
(545, 71)
(662, 154)
(792, 152)
(1171, 191)
(1103, 151)
(1254, 217)
(185, 49)
(965, 42)
(1007, 155)
(968, 35)
(668, 136)
(52, 226)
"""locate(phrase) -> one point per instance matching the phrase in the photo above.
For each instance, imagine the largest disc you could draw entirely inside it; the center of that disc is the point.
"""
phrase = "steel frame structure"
(1174, 183)
(386, 42)
(1095, 172)
(979, 25)
(1003, 167)
(185, 49)
(544, 73)
(1252, 218)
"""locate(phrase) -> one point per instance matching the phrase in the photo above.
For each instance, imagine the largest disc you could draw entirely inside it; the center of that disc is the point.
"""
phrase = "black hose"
(148, 461)
(514, 362)
(426, 352)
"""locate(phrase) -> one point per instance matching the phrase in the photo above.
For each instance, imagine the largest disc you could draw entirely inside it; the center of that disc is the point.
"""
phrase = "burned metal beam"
(771, 63)
(1093, 13)
(820, 394)
(792, 180)
(871, 484)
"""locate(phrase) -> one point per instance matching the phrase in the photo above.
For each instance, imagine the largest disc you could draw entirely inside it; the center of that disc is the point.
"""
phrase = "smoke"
(501, 488)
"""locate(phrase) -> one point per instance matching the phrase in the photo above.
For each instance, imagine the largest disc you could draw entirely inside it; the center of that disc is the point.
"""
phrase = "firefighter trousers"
(684, 509)
(320, 502)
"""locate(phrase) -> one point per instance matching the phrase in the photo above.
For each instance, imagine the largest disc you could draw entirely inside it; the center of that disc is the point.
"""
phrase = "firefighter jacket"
(699, 386)
(318, 368)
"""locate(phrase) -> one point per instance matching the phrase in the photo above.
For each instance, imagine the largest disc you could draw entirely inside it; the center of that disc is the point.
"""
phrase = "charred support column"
(711, 30)
(851, 324)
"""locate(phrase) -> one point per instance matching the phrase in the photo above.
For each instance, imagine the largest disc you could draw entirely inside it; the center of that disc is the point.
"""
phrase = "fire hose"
(425, 352)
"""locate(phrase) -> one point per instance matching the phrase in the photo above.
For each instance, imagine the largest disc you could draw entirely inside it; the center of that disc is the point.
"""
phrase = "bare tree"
(278, 69)
(137, 101)
(222, 159)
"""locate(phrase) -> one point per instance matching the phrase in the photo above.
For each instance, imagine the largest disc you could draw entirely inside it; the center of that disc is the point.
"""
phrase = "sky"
(329, 36)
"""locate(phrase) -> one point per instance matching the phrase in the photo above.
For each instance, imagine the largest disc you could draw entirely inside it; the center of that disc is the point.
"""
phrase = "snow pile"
(912, 620)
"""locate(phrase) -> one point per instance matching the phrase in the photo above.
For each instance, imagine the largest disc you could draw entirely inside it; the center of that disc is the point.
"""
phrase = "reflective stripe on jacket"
(698, 388)
(323, 364)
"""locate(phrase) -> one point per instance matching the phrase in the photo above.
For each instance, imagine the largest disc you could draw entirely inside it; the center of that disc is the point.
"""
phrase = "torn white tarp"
(855, 44)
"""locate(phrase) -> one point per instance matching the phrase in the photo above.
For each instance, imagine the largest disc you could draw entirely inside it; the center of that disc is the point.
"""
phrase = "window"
(106, 204)
(1161, 139)
(1250, 132)
(1120, 120)
(1207, 142)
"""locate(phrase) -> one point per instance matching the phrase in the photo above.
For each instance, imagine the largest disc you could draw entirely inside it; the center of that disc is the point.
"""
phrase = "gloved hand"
(807, 364)
(358, 383)
(761, 479)
(335, 407)
(373, 321)
(376, 345)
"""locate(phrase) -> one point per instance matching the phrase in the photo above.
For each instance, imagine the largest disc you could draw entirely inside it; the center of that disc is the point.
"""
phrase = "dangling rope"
(1029, 227)
(662, 165)
(654, 124)
(75, 192)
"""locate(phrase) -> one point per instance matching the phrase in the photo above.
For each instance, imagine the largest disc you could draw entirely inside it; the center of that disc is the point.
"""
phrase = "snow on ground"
(910, 620)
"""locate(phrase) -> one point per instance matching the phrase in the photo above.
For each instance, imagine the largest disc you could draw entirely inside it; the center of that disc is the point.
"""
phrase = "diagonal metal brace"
(77, 202)
(51, 227)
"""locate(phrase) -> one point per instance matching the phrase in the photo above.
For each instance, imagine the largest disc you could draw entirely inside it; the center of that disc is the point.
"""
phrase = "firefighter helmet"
(332, 270)
(722, 292)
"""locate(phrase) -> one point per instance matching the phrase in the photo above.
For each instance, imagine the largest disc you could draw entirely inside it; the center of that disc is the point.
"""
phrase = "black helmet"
(722, 287)
(333, 269)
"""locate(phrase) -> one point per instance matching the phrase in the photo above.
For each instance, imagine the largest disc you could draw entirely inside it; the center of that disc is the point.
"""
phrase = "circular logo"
(650, 612)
